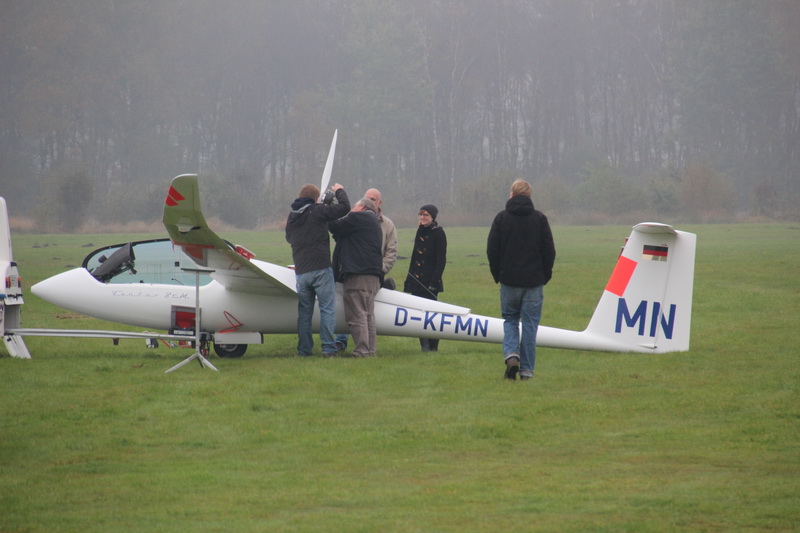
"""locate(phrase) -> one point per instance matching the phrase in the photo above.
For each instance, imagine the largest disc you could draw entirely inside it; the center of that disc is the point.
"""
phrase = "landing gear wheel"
(230, 350)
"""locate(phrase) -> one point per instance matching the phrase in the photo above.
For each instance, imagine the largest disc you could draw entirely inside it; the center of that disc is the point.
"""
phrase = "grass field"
(95, 437)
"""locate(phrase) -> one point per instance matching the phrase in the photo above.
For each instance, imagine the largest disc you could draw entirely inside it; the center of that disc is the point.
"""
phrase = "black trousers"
(428, 345)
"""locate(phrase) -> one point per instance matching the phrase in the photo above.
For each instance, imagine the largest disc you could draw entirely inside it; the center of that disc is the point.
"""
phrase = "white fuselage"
(645, 307)
(151, 305)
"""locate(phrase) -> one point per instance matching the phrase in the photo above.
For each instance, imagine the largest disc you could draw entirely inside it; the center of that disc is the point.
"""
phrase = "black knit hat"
(431, 209)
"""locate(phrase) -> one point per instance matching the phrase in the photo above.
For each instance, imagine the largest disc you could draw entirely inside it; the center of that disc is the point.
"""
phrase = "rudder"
(11, 294)
(647, 303)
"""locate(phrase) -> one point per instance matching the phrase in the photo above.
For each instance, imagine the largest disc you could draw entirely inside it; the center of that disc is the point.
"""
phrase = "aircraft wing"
(232, 267)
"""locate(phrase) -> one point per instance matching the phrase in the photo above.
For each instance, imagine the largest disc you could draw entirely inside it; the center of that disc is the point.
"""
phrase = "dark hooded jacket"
(358, 250)
(307, 231)
(520, 246)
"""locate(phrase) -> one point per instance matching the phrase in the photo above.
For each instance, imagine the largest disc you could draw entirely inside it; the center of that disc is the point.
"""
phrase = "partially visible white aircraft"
(646, 306)
(11, 297)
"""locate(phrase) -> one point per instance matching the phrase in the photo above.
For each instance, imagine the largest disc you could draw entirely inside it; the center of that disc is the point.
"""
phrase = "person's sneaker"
(328, 355)
(340, 346)
(512, 367)
(524, 377)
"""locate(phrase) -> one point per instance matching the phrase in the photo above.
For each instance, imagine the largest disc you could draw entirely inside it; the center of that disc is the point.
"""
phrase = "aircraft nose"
(58, 289)
(44, 288)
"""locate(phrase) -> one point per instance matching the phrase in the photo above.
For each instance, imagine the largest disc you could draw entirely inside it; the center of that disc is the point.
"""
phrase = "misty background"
(614, 110)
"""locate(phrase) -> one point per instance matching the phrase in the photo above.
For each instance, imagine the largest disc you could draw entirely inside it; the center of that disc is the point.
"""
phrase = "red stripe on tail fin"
(621, 276)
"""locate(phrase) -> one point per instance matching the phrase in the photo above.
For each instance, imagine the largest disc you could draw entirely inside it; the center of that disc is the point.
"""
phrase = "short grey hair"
(368, 205)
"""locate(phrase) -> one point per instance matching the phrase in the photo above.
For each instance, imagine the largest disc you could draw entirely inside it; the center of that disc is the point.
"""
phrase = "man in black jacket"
(307, 232)
(521, 254)
(358, 265)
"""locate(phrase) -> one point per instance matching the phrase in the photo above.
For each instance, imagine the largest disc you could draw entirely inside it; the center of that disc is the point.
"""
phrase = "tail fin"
(11, 291)
(5, 234)
(647, 303)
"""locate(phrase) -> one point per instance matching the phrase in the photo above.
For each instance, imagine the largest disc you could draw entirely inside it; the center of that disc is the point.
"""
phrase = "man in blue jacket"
(358, 265)
(307, 232)
(521, 255)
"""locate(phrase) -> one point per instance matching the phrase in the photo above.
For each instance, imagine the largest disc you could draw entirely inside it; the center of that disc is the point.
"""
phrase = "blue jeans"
(521, 304)
(316, 285)
(342, 338)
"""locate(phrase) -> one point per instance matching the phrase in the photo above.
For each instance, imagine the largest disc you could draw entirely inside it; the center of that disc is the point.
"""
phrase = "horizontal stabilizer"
(409, 301)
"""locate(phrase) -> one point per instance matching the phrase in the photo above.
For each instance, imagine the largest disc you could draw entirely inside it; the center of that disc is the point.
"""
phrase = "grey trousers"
(359, 311)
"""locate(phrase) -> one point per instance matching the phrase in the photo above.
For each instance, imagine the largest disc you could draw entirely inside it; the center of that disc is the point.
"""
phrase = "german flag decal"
(654, 253)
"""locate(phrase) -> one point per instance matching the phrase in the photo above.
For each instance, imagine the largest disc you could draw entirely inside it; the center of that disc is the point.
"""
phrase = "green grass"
(95, 437)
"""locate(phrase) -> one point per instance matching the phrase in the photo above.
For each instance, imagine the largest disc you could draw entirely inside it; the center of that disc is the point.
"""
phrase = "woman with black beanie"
(428, 258)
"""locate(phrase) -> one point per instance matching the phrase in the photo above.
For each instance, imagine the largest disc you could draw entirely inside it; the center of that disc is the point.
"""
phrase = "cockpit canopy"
(153, 261)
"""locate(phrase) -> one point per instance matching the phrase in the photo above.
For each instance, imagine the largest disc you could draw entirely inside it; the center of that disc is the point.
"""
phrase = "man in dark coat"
(388, 247)
(358, 265)
(307, 232)
(521, 255)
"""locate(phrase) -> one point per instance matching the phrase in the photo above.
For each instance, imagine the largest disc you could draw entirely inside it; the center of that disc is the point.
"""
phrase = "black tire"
(231, 351)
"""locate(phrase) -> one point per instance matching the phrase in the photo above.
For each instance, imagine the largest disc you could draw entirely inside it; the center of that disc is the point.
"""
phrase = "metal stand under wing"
(198, 352)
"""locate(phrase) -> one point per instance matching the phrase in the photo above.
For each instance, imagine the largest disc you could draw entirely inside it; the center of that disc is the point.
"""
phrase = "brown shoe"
(512, 367)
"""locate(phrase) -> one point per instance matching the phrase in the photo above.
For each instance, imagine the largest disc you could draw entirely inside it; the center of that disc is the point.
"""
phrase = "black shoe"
(512, 367)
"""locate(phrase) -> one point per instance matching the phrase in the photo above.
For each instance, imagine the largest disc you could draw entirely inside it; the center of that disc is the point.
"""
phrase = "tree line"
(681, 108)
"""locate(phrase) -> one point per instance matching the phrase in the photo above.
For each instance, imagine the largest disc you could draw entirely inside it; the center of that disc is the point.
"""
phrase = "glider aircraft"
(197, 285)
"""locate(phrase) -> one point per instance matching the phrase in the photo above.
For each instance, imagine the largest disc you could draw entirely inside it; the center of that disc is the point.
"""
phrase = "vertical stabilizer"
(647, 302)
(11, 291)
(5, 234)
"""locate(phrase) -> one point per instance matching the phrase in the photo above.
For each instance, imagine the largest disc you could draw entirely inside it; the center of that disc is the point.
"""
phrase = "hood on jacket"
(520, 206)
(299, 207)
(301, 204)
